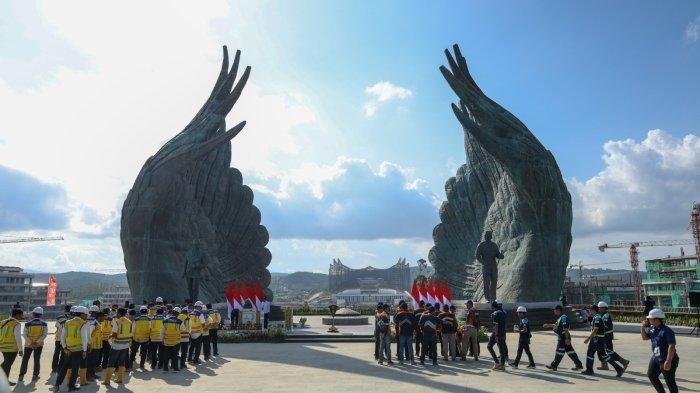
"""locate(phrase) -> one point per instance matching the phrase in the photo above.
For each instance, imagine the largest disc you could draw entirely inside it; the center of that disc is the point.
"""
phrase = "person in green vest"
(11, 340)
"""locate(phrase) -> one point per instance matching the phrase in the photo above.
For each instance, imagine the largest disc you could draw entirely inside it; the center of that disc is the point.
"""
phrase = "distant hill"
(300, 282)
(84, 285)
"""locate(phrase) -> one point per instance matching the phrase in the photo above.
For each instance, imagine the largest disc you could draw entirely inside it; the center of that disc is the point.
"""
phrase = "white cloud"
(383, 92)
(646, 186)
(692, 31)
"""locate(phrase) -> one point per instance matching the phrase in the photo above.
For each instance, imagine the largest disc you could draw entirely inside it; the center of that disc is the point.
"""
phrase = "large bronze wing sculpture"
(510, 185)
(187, 193)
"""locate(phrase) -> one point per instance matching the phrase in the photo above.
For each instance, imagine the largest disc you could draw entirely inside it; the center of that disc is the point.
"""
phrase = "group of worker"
(89, 340)
(429, 324)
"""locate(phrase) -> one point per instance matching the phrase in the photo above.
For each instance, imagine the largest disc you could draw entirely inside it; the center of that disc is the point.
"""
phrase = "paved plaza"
(350, 367)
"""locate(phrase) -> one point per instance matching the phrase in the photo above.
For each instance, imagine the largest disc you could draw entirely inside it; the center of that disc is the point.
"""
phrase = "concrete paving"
(350, 367)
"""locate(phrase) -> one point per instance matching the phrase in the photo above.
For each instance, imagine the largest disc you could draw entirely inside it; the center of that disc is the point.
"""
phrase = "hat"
(38, 310)
(602, 305)
(159, 299)
(81, 310)
(74, 309)
(558, 307)
(176, 309)
(656, 313)
(94, 308)
(143, 308)
(198, 303)
(498, 301)
(204, 308)
(521, 309)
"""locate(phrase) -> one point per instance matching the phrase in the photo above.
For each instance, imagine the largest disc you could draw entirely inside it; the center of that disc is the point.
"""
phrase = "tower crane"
(14, 239)
(634, 257)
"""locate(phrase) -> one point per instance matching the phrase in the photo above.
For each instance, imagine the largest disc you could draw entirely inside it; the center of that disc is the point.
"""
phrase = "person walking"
(498, 336)
(430, 326)
(561, 328)
(75, 339)
(648, 305)
(664, 357)
(609, 332)
(524, 336)
(384, 329)
(596, 344)
(58, 354)
(449, 329)
(11, 341)
(405, 323)
(35, 331)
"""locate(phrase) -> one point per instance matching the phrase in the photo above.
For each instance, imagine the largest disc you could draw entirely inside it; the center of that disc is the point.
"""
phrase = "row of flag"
(431, 291)
(237, 293)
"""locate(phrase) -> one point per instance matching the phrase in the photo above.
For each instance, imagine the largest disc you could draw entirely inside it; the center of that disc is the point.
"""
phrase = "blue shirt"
(597, 322)
(499, 317)
(524, 325)
(561, 324)
(661, 338)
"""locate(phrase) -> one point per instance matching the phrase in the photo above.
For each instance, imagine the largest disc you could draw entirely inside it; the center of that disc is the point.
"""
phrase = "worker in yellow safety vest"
(58, 354)
(95, 351)
(184, 335)
(214, 329)
(197, 321)
(10, 340)
(171, 341)
(75, 339)
(35, 332)
(142, 334)
(106, 329)
(155, 348)
(121, 341)
(206, 337)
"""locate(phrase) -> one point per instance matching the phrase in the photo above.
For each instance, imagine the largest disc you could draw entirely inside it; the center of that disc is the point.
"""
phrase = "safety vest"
(184, 328)
(215, 319)
(124, 332)
(96, 336)
(206, 326)
(106, 328)
(7, 335)
(171, 331)
(156, 328)
(74, 340)
(142, 328)
(152, 312)
(195, 323)
(34, 329)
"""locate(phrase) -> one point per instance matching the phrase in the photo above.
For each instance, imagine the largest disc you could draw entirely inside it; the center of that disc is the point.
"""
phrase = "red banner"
(51, 291)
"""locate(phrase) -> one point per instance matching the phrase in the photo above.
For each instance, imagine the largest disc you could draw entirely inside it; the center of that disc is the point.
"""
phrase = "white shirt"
(85, 333)
(265, 307)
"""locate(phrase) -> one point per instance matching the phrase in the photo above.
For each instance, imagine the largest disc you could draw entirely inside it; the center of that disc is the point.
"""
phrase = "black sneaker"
(513, 365)
(620, 372)
(587, 372)
(531, 366)
(576, 368)
(550, 367)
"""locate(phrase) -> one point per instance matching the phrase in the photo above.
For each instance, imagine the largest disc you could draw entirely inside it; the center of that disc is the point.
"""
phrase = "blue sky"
(350, 137)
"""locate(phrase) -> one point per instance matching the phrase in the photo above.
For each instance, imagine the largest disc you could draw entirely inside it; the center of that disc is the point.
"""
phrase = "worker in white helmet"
(58, 353)
(35, 332)
(608, 326)
(197, 321)
(664, 359)
(75, 339)
(523, 338)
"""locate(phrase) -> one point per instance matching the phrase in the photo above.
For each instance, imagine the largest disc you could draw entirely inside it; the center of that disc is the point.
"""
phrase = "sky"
(350, 136)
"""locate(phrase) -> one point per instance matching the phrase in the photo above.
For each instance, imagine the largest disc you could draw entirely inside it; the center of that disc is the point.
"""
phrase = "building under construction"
(671, 280)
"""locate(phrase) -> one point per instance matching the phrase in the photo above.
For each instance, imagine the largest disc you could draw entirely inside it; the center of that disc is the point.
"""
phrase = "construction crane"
(15, 239)
(634, 257)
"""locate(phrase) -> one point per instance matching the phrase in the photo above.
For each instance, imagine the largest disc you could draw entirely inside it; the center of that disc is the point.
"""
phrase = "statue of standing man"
(486, 253)
(195, 267)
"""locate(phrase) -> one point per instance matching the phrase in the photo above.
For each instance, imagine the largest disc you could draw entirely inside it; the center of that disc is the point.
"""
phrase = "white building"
(116, 295)
(361, 297)
(15, 287)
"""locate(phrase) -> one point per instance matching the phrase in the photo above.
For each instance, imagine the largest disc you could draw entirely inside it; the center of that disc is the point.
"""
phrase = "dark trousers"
(58, 356)
(419, 341)
(608, 340)
(598, 346)
(490, 278)
(655, 369)
(206, 346)
(93, 360)
(563, 348)
(429, 347)
(7, 359)
(106, 349)
(265, 319)
(214, 334)
(195, 349)
(118, 357)
(234, 319)
(524, 345)
(171, 357)
(500, 342)
(184, 346)
(376, 346)
(25, 360)
(71, 361)
(154, 350)
(143, 348)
